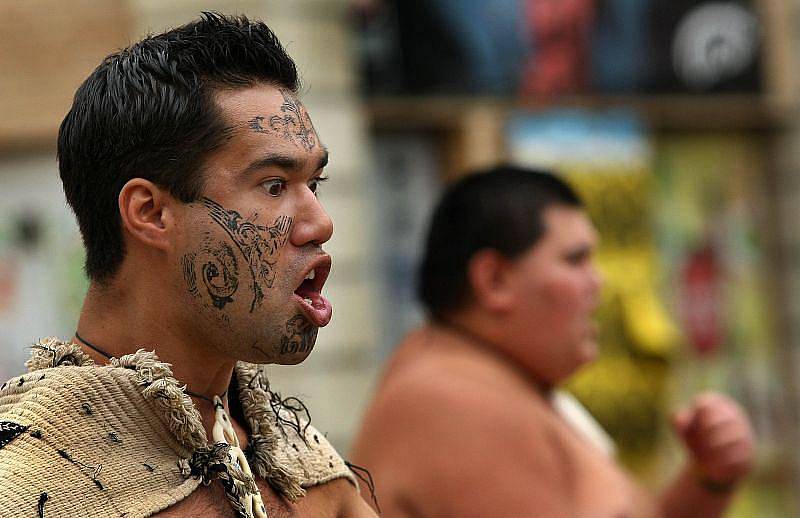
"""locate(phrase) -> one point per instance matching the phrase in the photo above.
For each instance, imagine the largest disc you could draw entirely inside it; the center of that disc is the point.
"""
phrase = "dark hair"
(499, 208)
(148, 111)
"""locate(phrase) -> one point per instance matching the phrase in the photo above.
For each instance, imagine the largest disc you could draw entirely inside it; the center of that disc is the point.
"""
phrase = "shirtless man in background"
(466, 421)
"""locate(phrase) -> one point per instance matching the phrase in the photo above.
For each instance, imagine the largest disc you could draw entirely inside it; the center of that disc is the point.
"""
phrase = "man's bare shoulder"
(438, 428)
(436, 405)
(459, 377)
(443, 425)
(337, 498)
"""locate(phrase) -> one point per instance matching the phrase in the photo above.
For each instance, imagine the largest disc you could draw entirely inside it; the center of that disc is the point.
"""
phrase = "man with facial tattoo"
(467, 420)
(192, 168)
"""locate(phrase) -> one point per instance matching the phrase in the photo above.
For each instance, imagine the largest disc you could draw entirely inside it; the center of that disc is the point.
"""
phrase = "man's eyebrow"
(286, 162)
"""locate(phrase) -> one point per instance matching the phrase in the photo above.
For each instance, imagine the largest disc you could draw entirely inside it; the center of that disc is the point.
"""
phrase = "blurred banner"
(556, 47)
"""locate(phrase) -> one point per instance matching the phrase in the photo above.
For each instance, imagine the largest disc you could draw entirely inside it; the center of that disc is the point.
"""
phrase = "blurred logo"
(713, 43)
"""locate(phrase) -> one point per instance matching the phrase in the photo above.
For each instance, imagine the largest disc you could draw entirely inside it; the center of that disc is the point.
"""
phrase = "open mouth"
(317, 308)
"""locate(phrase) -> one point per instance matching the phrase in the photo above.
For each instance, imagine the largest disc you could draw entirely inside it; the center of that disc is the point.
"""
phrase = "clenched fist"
(718, 437)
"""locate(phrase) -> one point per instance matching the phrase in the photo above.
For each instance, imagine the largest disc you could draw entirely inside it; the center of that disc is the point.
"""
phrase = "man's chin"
(278, 354)
(586, 355)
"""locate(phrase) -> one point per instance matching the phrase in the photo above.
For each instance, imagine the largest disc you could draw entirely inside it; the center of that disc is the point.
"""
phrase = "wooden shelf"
(661, 112)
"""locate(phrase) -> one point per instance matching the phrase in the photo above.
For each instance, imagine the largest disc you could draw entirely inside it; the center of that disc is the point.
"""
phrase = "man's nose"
(312, 223)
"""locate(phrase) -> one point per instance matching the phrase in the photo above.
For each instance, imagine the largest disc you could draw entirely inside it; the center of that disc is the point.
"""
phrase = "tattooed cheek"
(189, 275)
(258, 244)
(212, 271)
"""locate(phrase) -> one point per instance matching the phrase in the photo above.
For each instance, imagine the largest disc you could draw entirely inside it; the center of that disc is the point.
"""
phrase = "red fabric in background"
(560, 37)
(701, 304)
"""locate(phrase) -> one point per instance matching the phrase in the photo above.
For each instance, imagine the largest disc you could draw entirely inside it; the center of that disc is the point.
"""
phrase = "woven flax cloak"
(79, 439)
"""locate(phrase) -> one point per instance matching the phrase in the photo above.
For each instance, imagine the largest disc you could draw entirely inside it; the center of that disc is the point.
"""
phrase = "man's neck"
(112, 323)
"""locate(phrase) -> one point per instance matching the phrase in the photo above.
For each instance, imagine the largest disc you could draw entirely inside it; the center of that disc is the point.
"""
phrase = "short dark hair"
(148, 111)
(501, 209)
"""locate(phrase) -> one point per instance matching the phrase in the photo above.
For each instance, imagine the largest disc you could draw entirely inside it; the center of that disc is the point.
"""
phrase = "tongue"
(319, 312)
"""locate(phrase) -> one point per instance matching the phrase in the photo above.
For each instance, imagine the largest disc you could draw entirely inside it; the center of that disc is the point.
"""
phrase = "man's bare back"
(490, 428)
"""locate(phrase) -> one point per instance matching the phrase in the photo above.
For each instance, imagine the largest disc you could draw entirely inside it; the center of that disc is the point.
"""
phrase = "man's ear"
(489, 277)
(145, 209)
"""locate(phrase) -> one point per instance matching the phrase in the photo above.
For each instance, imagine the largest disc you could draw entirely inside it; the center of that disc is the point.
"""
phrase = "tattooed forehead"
(292, 123)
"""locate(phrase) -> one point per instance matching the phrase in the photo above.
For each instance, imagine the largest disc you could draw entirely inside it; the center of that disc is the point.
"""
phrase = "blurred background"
(677, 120)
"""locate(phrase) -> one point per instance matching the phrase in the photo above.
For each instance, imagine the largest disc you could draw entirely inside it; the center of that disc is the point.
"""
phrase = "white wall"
(41, 285)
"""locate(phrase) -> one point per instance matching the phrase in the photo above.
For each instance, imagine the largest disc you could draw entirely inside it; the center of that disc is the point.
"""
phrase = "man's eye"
(315, 184)
(275, 187)
(577, 258)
